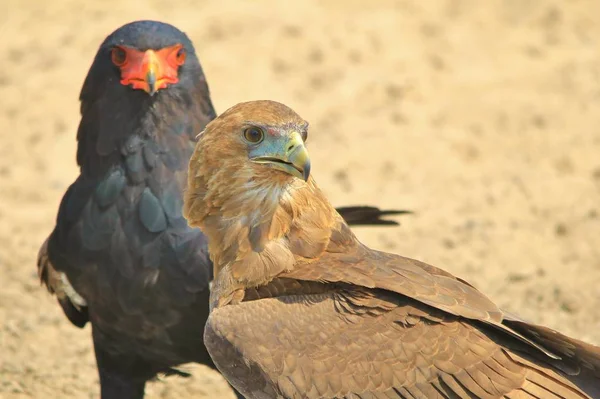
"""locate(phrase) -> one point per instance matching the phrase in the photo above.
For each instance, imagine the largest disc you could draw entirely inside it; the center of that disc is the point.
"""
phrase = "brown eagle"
(301, 309)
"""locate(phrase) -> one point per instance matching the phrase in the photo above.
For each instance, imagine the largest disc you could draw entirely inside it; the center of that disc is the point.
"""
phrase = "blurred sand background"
(483, 117)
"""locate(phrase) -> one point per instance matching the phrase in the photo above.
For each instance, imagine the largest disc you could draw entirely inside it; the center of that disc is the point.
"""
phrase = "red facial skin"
(149, 70)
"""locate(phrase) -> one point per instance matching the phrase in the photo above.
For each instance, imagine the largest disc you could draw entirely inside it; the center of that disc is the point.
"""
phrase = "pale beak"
(289, 155)
(152, 66)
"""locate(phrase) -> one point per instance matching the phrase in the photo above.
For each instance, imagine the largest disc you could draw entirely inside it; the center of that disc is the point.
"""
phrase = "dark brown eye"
(118, 56)
(180, 56)
(304, 135)
(254, 135)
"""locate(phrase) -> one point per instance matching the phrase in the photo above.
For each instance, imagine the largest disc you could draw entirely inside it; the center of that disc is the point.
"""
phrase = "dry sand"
(483, 117)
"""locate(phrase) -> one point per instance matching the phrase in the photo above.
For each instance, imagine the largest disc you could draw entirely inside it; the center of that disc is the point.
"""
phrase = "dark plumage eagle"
(121, 255)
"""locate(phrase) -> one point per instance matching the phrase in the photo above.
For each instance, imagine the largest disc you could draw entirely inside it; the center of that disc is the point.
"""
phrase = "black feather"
(110, 188)
(369, 215)
(136, 170)
(120, 237)
(151, 212)
(172, 202)
(150, 155)
(79, 317)
(98, 226)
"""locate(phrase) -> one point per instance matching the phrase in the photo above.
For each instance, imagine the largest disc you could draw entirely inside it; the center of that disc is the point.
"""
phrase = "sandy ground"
(483, 117)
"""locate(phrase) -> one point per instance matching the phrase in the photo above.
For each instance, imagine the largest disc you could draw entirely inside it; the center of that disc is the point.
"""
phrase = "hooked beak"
(150, 65)
(150, 70)
(288, 155)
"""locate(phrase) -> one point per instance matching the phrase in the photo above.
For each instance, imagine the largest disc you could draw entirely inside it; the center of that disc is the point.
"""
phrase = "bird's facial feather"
(281, 149)
(149, 70)
(264, 137)
(141, 58)
(245, 160)
(247, 192)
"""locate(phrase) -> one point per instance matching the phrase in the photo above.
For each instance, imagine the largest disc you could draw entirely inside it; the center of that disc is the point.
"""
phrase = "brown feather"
(300, 308)
(57, 283)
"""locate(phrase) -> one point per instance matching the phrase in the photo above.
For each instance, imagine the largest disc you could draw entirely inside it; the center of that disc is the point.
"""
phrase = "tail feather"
(579, 361)
(581, 355)
(369, 215)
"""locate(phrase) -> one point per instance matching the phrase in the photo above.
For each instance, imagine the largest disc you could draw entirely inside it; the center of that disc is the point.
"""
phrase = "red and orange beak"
(148, 70)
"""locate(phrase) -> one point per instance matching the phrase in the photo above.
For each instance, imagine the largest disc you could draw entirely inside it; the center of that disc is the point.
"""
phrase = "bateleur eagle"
(121, 255)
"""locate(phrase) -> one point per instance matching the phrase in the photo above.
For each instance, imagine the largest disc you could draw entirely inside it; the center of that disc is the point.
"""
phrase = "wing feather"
(342, 341)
